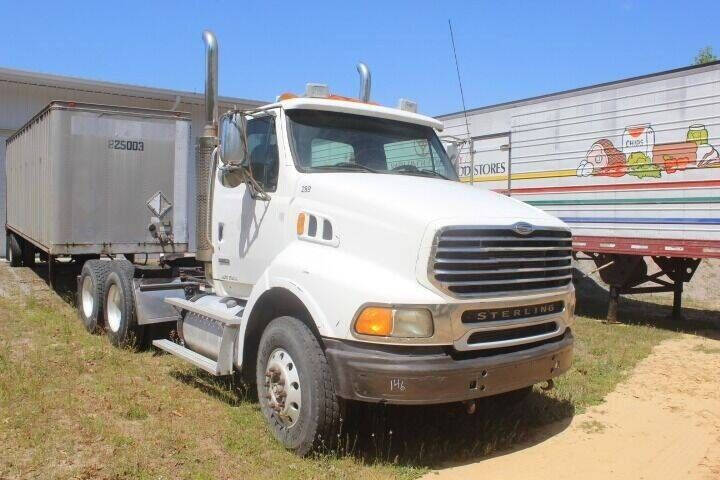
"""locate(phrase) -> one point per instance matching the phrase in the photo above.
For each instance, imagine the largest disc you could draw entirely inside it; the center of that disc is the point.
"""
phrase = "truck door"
(247, 230)
(489, 160)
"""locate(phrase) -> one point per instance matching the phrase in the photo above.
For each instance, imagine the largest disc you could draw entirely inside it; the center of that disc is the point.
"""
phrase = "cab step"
(228, 312)
(207, 364)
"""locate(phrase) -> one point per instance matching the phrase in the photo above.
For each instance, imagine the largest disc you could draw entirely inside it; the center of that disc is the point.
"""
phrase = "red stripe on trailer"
(616, 186)
(664, 247)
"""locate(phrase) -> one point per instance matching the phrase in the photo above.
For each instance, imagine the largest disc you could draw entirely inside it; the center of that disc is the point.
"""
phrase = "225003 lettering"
(132, 145)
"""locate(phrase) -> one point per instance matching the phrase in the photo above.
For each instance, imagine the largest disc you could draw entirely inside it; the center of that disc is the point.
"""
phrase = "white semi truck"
(337, 258)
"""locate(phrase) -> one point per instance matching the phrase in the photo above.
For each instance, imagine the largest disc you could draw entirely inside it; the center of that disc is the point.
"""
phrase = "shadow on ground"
(428, 436)
(592, 302)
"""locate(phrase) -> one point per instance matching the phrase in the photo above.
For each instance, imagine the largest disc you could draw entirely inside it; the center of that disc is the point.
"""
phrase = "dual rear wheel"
(106, 301)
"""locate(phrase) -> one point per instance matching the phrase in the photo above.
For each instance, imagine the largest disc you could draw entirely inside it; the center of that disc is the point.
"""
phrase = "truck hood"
(422, 199)
(387, 222)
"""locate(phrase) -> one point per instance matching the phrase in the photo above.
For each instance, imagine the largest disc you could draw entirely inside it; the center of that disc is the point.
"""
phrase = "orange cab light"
(287, 96)
(350, 99)
(300, 227)
(375, 321)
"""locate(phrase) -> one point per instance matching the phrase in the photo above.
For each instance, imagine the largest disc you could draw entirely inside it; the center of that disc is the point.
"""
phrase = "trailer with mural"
(632, 166)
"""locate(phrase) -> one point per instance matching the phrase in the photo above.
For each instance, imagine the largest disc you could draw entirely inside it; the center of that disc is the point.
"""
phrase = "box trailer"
(91, 180)
(631, 166)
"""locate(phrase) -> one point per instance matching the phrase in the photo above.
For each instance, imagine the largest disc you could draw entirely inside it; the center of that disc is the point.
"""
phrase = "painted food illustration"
(642, 166)
(638, 138)
(674, 157)
(643, 158)
(697, 133)
(707, 156)
(603, 159)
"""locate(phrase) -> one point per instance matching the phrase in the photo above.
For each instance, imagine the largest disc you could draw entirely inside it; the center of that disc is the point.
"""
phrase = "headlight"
(395, 322)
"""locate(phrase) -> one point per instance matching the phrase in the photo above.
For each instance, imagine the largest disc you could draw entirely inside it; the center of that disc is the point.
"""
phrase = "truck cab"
(362, 269)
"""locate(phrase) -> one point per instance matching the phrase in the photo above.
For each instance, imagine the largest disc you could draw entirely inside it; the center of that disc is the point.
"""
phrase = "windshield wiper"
(413, 170)
(348, 166)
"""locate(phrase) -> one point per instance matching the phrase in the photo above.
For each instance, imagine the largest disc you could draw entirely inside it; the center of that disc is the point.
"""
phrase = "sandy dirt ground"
(662, 423)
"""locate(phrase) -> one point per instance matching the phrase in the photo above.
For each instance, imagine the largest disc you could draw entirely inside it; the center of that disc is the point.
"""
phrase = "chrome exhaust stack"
(365, 82)
(203, 153)
(211, 83)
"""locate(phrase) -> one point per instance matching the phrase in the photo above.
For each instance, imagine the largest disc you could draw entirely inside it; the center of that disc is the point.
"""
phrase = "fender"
(317, 275)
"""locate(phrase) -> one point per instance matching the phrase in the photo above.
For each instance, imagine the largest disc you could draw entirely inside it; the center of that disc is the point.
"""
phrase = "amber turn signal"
(300, 227)
(375, 321)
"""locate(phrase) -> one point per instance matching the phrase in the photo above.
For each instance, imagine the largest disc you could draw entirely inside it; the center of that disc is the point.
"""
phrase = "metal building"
(23, 94)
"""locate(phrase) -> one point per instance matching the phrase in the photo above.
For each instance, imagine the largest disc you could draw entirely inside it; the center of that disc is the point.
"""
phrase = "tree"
(705, 55)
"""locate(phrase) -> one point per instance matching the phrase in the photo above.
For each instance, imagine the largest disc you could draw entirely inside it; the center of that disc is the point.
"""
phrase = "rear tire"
(91, 294)
(119, 308)
(290, 361)
(14, 250)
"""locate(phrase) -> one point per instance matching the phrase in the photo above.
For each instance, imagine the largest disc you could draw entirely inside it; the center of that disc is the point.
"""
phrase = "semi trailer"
(331, 263)
(631, 166)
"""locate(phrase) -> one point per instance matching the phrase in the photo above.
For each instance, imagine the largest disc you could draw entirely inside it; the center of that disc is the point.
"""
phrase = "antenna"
(462, 96)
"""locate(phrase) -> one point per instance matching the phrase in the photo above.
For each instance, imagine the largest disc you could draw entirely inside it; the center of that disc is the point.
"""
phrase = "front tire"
(295, 387)
(91, 294)
(119, 308)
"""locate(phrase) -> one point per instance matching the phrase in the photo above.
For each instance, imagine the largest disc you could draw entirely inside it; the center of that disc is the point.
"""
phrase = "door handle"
(221, 227)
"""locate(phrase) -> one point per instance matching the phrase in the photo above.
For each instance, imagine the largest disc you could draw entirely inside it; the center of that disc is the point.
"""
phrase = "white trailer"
(631, 166)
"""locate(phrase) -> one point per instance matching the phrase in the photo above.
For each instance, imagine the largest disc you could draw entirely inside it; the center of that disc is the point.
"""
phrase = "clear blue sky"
(507, 50)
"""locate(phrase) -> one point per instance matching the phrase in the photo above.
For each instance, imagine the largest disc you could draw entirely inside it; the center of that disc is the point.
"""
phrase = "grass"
(592, 426)
(72, 406)
(705, 349)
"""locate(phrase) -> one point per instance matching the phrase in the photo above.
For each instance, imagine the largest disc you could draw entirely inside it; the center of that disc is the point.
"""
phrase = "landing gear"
(625, 274)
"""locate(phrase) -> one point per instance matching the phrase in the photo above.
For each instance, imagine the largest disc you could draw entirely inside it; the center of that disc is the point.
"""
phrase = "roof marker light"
(317, 90)
(407, 105)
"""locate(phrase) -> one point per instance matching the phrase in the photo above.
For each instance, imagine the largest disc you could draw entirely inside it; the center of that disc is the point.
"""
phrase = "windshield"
(330, 142)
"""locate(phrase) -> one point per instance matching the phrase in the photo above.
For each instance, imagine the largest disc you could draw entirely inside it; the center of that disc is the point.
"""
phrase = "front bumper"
(430, 375)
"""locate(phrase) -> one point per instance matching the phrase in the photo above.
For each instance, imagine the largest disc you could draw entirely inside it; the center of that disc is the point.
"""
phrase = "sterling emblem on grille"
(523, 228)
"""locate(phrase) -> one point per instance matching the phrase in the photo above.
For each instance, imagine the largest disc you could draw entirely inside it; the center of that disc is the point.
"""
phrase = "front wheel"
(295, 387)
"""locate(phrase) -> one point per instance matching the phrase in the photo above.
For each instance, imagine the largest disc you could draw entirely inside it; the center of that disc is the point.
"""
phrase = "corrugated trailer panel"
(29, 182)
(635, 162)
(80, 177)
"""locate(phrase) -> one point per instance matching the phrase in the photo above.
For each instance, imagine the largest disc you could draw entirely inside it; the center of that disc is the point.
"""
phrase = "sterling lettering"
(514, 313)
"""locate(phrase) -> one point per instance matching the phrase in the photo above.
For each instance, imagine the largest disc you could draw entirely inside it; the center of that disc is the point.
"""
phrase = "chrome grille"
(475, 261)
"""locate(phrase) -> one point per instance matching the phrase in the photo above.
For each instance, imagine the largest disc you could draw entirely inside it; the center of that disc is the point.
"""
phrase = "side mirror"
(233, 140)
(453, 153)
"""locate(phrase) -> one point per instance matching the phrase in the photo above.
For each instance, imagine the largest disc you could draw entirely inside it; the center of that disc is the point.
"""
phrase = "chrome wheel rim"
(87, 296)
(282, 384)
(114, 312)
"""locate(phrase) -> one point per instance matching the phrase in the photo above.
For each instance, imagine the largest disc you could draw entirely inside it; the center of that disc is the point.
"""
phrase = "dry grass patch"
(72, 406)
